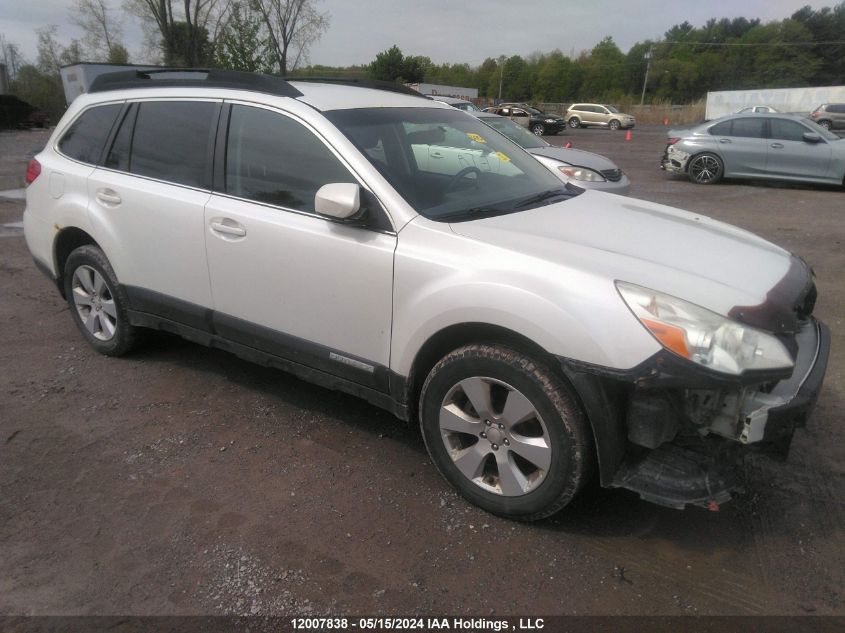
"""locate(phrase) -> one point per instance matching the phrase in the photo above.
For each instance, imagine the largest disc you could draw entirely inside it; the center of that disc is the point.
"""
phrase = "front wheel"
(98, 304)
(538, 129)
(574, 122)
(614, 124)
(505, 430)
(705, 169)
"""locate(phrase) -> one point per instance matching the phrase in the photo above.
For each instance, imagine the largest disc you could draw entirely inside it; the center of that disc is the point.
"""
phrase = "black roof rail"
(194, 77)
(375, 84)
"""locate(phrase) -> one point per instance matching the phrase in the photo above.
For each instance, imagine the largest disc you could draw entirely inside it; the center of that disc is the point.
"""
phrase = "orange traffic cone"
(628, 136)
(666, 120)
(568, 145)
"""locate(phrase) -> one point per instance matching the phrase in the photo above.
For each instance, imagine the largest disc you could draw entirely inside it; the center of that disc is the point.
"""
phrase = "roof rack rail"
(375, 84)
(194, 77)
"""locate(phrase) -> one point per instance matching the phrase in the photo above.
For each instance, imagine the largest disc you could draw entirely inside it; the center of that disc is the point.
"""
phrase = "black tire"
(538, 129)
(565, 429)
(825, 124)
(110, 298)
(574, 122)
(614, 125)
(705, 169)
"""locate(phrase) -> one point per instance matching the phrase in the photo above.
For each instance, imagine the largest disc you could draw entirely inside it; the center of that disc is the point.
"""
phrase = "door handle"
(436, 155)
(225, 226)
(724, 140)
(777, 145)
(108, 197)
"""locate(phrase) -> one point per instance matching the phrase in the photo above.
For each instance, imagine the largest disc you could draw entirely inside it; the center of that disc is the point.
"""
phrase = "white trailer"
(77, 78)
(445, 91)
(798, 100)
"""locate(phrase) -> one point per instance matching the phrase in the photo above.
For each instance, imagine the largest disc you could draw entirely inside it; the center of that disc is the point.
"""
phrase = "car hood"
(574, 157)
(715, 265)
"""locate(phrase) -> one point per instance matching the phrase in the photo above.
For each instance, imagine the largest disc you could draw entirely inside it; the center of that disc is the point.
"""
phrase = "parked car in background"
(540, 123)
(584, 169)
(770, 146)
(830, 116)
(460, 104)
(758, 108)
(598, 115)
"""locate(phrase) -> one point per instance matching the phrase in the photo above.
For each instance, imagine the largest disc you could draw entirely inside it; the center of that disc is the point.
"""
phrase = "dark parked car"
(535, 120)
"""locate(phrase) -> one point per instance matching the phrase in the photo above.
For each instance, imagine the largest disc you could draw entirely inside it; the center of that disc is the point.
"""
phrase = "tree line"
(806, 49)
(275, 36)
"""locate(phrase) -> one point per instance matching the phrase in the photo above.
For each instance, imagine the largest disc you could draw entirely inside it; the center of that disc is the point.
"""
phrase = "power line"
(827, 43)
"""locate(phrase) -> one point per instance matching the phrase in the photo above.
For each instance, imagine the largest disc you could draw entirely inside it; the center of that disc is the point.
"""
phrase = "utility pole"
(647, 68)
(502, 60)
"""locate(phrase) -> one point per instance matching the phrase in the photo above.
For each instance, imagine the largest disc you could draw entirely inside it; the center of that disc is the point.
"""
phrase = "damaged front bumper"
(687, 430)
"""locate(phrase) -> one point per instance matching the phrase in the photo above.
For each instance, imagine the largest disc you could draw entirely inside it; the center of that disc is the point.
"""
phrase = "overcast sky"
(450, 30)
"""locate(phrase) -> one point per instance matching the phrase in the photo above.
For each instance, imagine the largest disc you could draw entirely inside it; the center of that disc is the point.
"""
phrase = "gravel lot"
(182, 480)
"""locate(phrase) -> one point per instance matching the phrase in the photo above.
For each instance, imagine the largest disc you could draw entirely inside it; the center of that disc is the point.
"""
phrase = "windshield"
(818, 129)
(449, 166)
(612, 109)
(518, 134)
(534, 111)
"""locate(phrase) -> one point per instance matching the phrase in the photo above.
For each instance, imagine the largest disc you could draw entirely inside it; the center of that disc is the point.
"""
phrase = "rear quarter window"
(86, 136)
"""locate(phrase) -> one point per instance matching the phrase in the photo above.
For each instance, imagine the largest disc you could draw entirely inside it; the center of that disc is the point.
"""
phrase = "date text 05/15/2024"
(417, 624)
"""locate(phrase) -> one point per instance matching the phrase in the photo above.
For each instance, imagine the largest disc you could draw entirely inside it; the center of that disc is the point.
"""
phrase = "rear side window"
(838, 108)
(87, 135)
(748, 128)
(272, 158)
(171, 141)
(721, 129)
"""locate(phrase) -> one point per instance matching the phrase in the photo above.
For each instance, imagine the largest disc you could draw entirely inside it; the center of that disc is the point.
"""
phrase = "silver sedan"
(583, 169)
(767, 146)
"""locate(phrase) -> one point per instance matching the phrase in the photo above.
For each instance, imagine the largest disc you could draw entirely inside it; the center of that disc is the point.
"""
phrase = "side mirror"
(339, 200)
(812, 137)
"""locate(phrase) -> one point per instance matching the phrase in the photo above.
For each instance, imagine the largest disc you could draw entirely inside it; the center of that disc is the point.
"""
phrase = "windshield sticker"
(475, 137)
(503, 157)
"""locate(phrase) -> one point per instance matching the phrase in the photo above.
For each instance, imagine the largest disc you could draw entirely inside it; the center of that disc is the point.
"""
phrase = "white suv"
(536, 331)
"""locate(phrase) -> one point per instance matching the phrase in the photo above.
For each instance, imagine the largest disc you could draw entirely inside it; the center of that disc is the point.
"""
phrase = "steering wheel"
(466, 171)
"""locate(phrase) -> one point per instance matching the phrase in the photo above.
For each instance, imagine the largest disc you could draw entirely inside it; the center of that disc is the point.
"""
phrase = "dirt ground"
(182, 480)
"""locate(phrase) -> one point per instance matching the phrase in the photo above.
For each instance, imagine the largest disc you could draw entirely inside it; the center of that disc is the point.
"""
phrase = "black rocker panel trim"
(216, 330)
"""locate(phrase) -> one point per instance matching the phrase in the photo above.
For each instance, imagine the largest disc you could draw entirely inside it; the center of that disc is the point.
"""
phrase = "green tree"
(243, 44)
(388, 65)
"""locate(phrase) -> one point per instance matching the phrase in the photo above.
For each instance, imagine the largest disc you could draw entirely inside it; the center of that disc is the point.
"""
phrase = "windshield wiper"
(475, 213)
(541, 197)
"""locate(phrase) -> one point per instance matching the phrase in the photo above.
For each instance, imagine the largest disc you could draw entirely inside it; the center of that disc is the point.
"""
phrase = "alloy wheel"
(94, 303)
(705, 169)
(495, 436)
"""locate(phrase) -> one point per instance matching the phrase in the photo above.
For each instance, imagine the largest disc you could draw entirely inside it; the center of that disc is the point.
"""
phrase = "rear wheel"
(97, 302)
(705, 169)
(574, 122)
(538, 129)
(825, 124)
(505, 430)
(614, 124)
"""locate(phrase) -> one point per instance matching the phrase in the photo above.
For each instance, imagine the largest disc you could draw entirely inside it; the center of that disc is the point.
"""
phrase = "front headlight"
(702, 336)
(581, 173)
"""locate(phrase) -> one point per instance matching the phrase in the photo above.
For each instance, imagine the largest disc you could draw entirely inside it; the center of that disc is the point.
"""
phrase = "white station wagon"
(537, 332)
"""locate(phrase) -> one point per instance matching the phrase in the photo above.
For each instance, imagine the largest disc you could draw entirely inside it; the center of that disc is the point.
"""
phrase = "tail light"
(672, 140)
(33, 170)
(815, 115)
